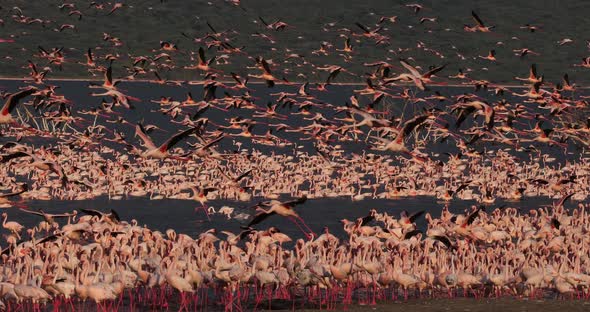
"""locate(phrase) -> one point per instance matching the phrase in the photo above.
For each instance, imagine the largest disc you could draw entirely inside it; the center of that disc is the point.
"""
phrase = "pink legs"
(205, 209)
(307, 231)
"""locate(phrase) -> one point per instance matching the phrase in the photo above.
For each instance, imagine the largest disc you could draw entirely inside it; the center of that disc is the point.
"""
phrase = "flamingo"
(160, 152)
(284, 209)
(11, 102)
(13, 226)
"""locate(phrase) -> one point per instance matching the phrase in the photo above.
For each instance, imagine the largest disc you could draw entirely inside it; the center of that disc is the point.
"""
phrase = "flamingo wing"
(108, 76)
(411, 234)
(243, 175)
(6, 158)
(213, 142)
(415, 216)
(115, 215)
(31, 212)
(295, 202)
(410, 68)
(175, 139)
(443, 239)
(472, 216)
(202, 59)
(433, 71)
(477, 19)
(362, 27)
(92, 212)
(15, 98)
(260, 217)
(411, 124)
(564, 199)
(265, 66)
(140, 131)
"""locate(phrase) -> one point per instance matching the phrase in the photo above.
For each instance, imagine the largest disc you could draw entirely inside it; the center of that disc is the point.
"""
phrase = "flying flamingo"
(200, 195)
(11, 102)
(284, 209)
(160, 152)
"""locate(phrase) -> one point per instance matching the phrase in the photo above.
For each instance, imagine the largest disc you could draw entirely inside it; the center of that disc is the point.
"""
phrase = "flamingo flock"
(99, 258)
(262, 122)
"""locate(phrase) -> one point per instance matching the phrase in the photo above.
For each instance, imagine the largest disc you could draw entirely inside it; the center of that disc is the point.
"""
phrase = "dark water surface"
(181, 216)
(147, 112)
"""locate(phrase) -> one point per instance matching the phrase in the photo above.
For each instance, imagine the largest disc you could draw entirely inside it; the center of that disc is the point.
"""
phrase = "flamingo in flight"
(479, 26)
(266, 73)
(11, 102)
(284, 209)
(160, 152)
(200, 195)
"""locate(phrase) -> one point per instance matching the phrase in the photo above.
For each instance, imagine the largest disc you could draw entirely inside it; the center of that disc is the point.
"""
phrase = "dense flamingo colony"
(382, 142)
(99, 258)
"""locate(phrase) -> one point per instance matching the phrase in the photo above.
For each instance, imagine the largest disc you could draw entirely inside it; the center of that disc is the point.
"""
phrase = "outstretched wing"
(415, 216)
(433, 71)
(15, 98)
(243, 175)
(461, 187)
(443, 239)
(411, 234)
(265, 66)
(49, 238)
(31, 212)
(236, 77)
(213, 142)
(92, 212)
(367, 219)
(6, 158)
(115, 215)
(410, 68)
(472, 217)
(295, 202)
(465, 111)
(411, 124)
(206, 190)
(140, 131)
(477, 19)
(24, 188)
(263, 21)
(211, 27)
(564, 199)
(200, 112)
(108, 76)
(223, 172)
(362, 27)
(175, 139)
(202, 59)
(260, 217)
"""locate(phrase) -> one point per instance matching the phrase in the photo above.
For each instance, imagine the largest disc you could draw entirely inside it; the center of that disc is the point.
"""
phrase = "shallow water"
(475, 305)
(556, 21)
(146, 111)
(181, 216)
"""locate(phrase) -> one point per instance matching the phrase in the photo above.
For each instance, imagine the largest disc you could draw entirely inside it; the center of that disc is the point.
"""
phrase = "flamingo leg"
(305, 224)
(294, 220)
(204, 208)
